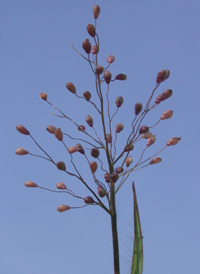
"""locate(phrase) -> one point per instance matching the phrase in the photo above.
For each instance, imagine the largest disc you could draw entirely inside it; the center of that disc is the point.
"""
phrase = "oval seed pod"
(87, 95)
(129, 160)
(99, 70)
(91, 30)
(30, 184)
(166, 115)
(89, 200)
(58, 134)
(60, 185)
(110, 59)
(63, 208)
(89, 120)
(166, 94)
(80, 148)
(138, 108)
(119, 170)
(155, 160)
(95, 49)
(151, 140)
(158, 99)
(43, 96)
(121, 76)
(21, 151)
(143, 129)
(51, 129)
(101, 191)
(119, 127)
(107, 177)
(162, 76)
(129, 147)
(96, 11)
(72, 149)
(107, 76)
(109, 138)
(81, 127)
(114, 177)
(119, 101)
(93, 167)
(71, 87)
(86, 46)
(61, 165)
(147, 135)
(173, 141)
(22, 130)
(95, 153)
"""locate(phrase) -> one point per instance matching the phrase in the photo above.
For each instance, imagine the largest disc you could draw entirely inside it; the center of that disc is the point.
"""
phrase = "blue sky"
(36, 56)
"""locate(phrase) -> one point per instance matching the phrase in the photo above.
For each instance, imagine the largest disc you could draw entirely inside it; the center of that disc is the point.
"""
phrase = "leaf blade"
(137, 261)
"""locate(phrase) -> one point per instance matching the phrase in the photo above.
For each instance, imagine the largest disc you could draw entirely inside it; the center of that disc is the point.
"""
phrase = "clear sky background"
(36, 56)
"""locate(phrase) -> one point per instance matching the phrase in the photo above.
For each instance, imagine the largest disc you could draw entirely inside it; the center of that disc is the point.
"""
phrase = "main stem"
(114, 229)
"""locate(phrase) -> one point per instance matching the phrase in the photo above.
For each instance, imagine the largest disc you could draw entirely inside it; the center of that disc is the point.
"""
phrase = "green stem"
(114, 229)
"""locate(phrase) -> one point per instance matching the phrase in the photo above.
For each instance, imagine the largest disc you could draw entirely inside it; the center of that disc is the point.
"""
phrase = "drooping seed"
(21, 151)
(61, 185)
(86, 46)
(30, 184)
(91, 30)
(22, 130)
(87, 95)
(143, 129)
(58, 134)
(121, 76)
(63, 208)
(89, 200)
(95, 153)
(71, 87)
(51, 129)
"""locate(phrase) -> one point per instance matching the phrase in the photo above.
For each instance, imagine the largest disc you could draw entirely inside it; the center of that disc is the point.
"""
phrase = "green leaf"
(137, 261)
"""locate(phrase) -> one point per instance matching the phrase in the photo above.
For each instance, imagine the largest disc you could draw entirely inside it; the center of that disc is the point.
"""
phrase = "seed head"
(80, 148)
(22, 130)
(119, 170)
(95, 49)
(114, 177)
(62, 208)
(110, 59)
(89, 120)
(107, 76)
(166, 115)
(121, 76)
(158, 99)
(58, 134)
(93, 167)
(138, 108)
(119, 101)
(162, 76)
(109, 138)
(147, 135)
(72, 149)
(107, 177)
(87, 95)
(21, 151)
(101, 191)
(129, 147)
(60, 185)
(61, 165)
(81, 127)
(129, 160)
(99, 70)
(89, 200)
(119, 127)
(96, 11)
(91, 30)
(155, 160)
(143, 129)
(71, 87)
(51, 129)
(43, 96)
(86, 46)
(30, 184)
(95, 153)
(166, 94)
(173, 141)
(151, 140)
